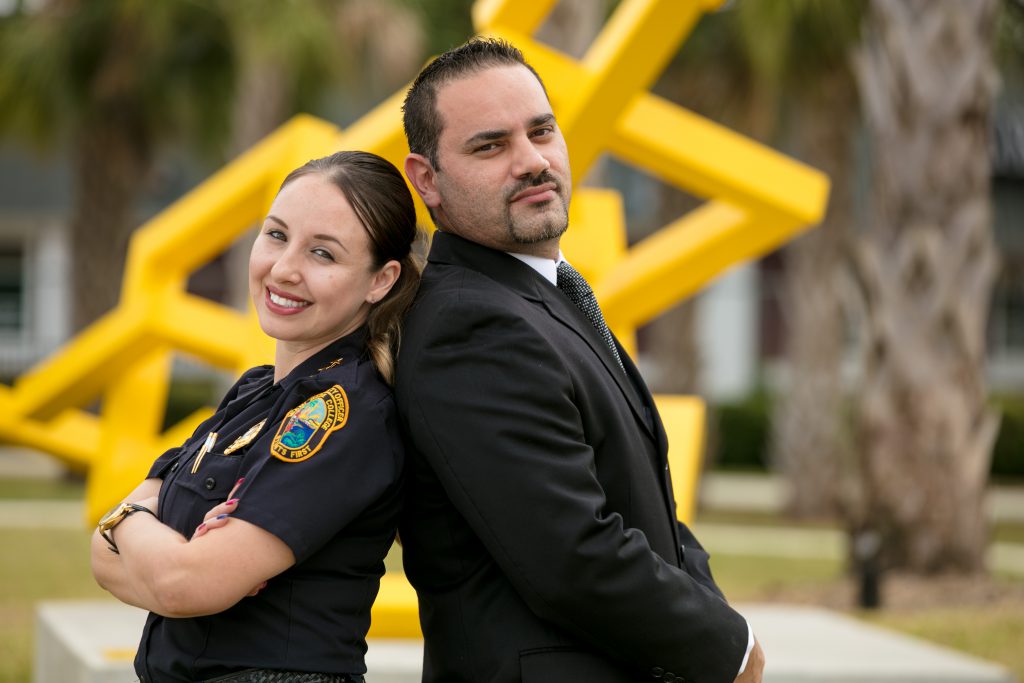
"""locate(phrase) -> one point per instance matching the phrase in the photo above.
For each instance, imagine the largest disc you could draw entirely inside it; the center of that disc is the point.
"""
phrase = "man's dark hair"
(422, 123)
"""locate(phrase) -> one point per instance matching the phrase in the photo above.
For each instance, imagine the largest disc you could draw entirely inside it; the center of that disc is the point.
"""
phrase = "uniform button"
(657, 672)
(210, 483)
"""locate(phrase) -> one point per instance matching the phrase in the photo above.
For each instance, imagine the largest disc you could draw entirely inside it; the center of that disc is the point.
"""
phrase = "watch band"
(122, 512)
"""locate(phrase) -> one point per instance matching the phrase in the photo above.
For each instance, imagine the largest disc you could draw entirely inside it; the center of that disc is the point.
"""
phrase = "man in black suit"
(540, 529)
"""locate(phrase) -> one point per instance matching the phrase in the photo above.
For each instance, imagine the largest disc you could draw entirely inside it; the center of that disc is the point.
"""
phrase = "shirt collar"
(342, 350)
(547, 268)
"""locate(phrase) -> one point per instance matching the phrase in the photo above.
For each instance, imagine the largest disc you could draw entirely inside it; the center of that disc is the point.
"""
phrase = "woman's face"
(311, 274)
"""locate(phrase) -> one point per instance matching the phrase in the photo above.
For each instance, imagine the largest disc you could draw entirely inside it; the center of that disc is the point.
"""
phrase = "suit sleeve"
(492, 409)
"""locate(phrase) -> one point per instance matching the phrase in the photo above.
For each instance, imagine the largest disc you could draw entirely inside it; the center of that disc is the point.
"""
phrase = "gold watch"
(115, 517)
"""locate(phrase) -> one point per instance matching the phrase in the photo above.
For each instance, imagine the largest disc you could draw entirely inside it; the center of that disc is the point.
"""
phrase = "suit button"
(657, 672)
(669, 677)
(210, 483)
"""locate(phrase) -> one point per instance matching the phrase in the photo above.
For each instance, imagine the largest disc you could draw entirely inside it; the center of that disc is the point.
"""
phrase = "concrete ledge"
(94, 642)
(86, 641)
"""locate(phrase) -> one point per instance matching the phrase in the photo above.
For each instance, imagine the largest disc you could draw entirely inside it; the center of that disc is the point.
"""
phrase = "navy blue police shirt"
(322, 459)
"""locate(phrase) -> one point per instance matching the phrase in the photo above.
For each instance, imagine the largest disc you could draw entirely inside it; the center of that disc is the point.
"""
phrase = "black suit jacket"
(540, 529)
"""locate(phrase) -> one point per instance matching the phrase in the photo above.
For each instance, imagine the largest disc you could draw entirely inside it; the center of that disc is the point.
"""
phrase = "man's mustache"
(539, 179)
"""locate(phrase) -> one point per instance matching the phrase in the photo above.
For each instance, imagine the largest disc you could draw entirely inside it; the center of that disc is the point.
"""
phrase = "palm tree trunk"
(809, 443)
(925, 271)
(110, 170)
(671, 339)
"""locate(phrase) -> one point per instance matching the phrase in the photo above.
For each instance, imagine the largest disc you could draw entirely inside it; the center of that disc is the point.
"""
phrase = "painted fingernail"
(220, 516)
(239, 481)
(233, 501)
(201, 526)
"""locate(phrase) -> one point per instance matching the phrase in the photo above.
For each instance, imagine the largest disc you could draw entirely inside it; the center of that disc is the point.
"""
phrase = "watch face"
(114, 516)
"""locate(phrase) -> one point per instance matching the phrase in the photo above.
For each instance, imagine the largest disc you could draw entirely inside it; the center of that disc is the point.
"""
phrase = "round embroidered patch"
(305, 428)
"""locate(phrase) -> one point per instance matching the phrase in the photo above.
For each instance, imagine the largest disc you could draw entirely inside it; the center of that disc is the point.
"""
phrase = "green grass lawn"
(41, 489)
(753, 579)
(37, 565)
(992, 632)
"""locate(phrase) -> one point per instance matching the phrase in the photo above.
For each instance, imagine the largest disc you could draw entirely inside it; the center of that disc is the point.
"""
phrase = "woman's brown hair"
(380, 198)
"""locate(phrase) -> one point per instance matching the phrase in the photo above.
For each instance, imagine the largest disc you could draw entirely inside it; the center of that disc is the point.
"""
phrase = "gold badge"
(305, 428)
(245, 439)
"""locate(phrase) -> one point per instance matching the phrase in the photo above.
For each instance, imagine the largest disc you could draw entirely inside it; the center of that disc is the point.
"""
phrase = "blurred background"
(865, 440)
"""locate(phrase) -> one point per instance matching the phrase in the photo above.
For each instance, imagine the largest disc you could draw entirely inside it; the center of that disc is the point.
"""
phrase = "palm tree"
(778, 70)
(111, 80)
(116, 81)
(799, 52)
(925, 271)
(290, 56)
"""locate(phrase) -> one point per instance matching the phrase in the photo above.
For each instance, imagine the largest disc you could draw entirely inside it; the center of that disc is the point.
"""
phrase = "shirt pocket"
(209, 486)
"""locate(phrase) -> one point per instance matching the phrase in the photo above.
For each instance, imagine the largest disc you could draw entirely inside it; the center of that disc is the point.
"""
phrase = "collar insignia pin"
(333, 364)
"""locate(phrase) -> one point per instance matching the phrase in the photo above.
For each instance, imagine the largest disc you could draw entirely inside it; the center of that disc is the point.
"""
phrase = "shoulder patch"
(305, 428)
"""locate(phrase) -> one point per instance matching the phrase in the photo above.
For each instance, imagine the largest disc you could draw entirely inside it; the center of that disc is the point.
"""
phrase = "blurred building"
(34, 258)
(36, 195)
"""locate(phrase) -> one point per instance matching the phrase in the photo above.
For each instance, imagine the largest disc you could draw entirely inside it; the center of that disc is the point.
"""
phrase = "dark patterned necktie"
(579, 292)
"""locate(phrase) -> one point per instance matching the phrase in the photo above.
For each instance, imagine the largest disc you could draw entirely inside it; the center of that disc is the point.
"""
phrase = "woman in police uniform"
(305, 455)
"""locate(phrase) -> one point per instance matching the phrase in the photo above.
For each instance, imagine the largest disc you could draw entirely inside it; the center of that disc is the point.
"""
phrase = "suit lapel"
(572, 317)
(509, 271)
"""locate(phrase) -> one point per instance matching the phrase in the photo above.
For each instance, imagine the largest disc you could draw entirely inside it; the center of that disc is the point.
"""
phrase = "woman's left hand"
(217, 517)
(218, 514)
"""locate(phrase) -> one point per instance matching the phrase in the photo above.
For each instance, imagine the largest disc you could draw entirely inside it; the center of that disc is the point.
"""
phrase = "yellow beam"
(520, 16)
(72, 376)
(626, 58)
(684, 418)
(139, 393)
(72, 436)
(395, 612)
(709, 160)
(177, 320)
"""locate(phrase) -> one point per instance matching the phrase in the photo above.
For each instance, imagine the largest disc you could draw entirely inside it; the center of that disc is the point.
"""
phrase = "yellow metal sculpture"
(756, 199)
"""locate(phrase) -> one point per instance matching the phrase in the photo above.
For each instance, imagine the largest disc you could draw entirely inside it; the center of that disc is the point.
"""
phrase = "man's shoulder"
(450, 286)
(458, 307)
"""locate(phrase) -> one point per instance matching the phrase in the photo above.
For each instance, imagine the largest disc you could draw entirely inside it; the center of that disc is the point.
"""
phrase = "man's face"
(504, 178)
